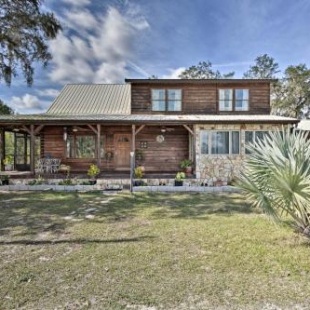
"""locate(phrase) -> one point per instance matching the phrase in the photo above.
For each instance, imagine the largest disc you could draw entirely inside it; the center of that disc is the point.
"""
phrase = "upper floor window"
(166, 99)
(233, 99)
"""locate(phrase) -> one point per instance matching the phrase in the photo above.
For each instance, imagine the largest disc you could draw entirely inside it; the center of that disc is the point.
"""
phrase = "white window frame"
(166, 99)
(209, 144)
(233, 100)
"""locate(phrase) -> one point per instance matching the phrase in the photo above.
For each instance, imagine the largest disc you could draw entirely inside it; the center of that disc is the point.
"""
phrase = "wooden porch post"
(2, 148)
(32, 149)
(98, 145)
(133, 142)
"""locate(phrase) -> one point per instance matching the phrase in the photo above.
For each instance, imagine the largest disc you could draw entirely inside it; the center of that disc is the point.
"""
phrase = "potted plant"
(139, 171)
(187, 166)
(5, 179)
(8, 163)
(93, 171)
(178, 181)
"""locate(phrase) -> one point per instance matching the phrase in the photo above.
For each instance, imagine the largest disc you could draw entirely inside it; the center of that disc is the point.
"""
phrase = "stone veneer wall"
(222, 169)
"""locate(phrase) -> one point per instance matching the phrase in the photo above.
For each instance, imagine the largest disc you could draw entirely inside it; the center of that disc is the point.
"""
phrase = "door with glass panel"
(122, 144)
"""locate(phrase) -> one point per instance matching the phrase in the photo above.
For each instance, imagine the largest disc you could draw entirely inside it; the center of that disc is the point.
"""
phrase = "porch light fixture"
(74, 129)
(16, 129)
(65, 134)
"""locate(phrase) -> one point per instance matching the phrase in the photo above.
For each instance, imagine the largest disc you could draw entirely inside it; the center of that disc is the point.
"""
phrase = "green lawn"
(147, 252)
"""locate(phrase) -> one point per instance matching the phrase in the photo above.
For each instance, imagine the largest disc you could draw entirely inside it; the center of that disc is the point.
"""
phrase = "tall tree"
(204, 71)
(24, 32)
(5, 109)
(265, 68)
(292, 94)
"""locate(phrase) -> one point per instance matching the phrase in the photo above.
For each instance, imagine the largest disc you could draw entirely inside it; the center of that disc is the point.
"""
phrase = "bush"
(276, 177)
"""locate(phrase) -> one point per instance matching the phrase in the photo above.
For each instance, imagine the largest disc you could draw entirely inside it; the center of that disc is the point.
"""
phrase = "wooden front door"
(122, 143)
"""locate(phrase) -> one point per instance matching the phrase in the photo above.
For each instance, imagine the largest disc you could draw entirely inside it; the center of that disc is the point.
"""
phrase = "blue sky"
(107, 41)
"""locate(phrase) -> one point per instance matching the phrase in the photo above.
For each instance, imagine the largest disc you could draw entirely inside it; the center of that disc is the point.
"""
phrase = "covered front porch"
(158, 147)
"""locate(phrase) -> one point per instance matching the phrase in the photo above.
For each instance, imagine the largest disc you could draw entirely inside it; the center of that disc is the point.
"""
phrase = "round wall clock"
(160, 138)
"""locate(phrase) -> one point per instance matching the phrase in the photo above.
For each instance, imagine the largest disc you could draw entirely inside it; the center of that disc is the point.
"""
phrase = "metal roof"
(86, 99)
(143, 118)
(199, 81)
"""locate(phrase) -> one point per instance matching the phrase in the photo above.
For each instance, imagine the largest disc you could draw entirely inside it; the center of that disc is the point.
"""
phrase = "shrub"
(276, 177)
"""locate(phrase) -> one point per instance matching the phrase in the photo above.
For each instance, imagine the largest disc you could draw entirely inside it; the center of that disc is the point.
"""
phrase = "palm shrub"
(276, 176)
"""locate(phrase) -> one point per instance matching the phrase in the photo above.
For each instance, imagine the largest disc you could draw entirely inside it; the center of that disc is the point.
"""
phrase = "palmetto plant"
(276, 176)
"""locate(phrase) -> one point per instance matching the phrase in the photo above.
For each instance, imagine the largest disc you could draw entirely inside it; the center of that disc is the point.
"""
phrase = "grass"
(147, 251)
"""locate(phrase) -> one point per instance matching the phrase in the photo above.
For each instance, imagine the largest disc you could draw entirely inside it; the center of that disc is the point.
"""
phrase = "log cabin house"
(163, 121)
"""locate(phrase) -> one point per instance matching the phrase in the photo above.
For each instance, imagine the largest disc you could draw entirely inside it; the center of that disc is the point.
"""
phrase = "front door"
(122, 143)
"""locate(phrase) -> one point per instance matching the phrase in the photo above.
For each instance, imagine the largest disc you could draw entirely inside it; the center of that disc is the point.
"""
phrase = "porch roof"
(92, 99)
(142, 119)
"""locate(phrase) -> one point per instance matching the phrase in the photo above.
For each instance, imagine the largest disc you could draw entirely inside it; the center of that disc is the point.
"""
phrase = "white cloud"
(174, 73)
(102, 48)
(26, 102)
(48, 92)
(77, 2)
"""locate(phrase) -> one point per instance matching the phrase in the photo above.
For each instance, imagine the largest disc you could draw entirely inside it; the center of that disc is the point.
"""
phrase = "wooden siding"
(201, 98)
(165, 156)
(158, 157)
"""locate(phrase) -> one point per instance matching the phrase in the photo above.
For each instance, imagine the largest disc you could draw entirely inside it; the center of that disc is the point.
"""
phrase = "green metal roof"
(92, 99)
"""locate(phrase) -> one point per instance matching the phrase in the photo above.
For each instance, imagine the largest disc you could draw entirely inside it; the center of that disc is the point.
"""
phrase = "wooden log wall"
(158, 157)
(165, 156)
(202, 98)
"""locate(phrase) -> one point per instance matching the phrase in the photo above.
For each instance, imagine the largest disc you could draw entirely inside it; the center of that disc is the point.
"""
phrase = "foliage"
(5, 109)
(265, 68)
(186, 163)
(277, 176)
(180, 176)
(38, 181)
(139, 172)
(292, 94)
(4, 177)
(25, 29)
(93, 171)
(66, 181)
(204, 71)
(8, 160)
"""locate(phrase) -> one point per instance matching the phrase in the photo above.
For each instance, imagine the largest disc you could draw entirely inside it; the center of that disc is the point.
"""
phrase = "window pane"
(248, 139)
(259, 135)
(235, 142)
(159, 105)
(204, 138)
(242, 94)
(242, 99)
(220, 142)
(158, 94)
(174, 105)
(225, 99)
(85, 147)
(81, 146)
(174, 94)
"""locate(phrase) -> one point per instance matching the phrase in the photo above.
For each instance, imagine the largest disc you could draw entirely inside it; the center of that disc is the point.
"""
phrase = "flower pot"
(5, 182)
(188, 171)
(178, 183)
(92, 182)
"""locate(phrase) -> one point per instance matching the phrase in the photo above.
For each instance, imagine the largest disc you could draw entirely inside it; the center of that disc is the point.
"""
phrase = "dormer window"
(166, 99)
(233, 99)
